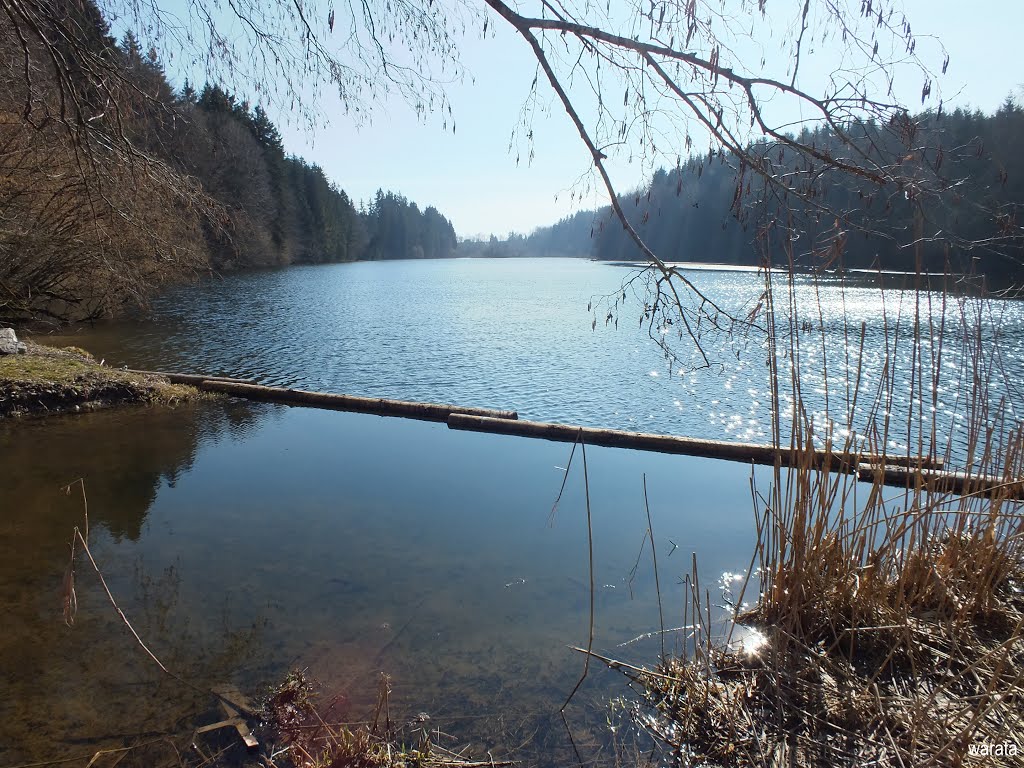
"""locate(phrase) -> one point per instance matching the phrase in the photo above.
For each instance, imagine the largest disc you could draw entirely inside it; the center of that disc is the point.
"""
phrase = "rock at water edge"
(9, 344)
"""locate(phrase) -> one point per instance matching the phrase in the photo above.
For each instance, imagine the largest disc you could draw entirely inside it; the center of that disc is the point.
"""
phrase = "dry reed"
(888, 625)
(309, 741)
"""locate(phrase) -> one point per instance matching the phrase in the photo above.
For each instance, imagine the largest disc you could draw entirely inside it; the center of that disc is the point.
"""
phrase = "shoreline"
(50, 381)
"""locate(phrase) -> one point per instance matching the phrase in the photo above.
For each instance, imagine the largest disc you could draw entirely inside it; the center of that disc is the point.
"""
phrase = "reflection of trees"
(238, 418)
(122, 456)
(72, 690)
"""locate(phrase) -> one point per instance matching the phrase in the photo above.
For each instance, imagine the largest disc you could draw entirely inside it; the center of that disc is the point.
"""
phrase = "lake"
(244, 540)
(518, 334)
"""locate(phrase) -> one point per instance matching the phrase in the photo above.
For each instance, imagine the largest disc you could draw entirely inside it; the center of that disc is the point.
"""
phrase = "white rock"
(9, 344)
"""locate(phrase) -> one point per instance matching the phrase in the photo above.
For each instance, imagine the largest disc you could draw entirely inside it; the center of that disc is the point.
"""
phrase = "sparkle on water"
(517, 334)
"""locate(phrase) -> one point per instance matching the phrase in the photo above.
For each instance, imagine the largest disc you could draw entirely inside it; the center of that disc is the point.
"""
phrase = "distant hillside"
(283, 210)
(146, 184)
(696, 212)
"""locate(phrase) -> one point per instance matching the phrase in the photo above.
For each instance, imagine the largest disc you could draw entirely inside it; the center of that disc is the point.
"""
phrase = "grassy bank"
(48, 381)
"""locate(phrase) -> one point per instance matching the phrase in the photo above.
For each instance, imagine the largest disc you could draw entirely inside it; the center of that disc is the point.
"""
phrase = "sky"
(484, 187)
(471, 176)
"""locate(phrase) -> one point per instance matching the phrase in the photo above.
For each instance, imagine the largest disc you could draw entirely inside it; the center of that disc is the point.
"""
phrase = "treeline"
(284, 210)
(112, 182)
(569, 238)
(964, 208)
(397, 229)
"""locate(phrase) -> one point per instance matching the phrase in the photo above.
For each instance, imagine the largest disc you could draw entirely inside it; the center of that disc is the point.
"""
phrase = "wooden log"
(190, 378)
(749, 453)
(230, 695)
(924, 462)
(959, 483)
(231, 700)
(230, 723)
(376, 405)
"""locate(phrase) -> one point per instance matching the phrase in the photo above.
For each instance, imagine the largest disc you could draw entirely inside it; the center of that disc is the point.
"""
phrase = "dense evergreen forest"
(969, 201)
(113, 182)
(160, 184)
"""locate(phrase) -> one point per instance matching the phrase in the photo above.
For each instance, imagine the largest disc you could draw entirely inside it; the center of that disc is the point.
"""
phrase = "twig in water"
(590, 556)
(565, 477)
(648, 635)
(654, 557)
(78, 536)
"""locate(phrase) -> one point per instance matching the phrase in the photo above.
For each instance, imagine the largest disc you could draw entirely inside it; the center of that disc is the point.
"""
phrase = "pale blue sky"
(473, 178)
(470, 176)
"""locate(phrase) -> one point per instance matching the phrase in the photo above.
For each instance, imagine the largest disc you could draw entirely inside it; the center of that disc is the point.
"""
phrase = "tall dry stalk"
(890, 621)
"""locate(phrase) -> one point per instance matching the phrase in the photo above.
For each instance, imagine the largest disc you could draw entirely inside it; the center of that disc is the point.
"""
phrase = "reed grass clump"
(885, 626)
(895, 643)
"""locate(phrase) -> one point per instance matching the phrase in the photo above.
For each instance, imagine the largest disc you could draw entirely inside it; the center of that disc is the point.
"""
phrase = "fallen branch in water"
(71, 602)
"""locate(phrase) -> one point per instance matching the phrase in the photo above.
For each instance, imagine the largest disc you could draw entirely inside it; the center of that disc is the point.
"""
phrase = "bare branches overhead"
(807, 101)
(697, 73)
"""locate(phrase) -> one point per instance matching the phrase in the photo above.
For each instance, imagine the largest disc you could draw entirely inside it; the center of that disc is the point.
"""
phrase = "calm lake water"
(245, 539)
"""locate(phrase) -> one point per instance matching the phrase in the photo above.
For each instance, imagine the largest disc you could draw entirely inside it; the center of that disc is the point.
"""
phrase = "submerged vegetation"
(307, 740)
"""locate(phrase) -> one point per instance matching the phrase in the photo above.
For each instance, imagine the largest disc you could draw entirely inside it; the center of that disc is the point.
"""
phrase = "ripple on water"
(517, 334)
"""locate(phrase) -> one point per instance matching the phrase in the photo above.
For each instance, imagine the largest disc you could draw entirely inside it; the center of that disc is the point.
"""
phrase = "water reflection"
(72, 689)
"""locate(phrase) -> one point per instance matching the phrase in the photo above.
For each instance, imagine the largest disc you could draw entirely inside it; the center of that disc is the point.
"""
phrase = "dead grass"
(308, 741)
(888, 623)
(49, 381)
(868, 653)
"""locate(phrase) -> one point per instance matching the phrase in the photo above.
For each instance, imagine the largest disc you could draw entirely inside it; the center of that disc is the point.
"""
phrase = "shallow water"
(245, 539)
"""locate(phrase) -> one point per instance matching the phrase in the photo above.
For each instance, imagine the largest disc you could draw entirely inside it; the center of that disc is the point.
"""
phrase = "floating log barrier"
(959, 483)
(730, 451)
(899, 471)
(376, 405)
(190, 378)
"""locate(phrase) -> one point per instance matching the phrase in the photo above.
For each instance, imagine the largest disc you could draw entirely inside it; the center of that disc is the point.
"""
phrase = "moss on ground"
(48, 380)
